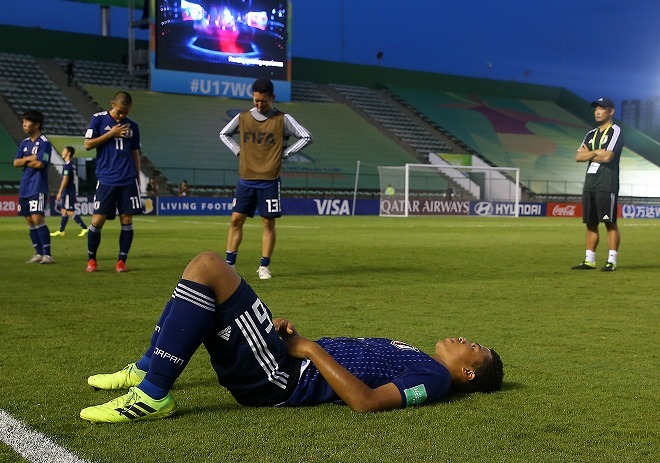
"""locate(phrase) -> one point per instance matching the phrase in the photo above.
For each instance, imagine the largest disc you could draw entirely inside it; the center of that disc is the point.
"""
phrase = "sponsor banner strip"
(191, 206)
(8, 205)
(173, 205)
(506, 209)
(564, 209)
(639, 211)
(396, 206)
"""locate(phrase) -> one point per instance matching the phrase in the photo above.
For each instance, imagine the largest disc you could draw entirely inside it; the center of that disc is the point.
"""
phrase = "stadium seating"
(308, 92)
(180, 133)
(392, 118)
(9, 176)
(26, 86)
(539, 137)
(116, 75)
(99, 73)
(180, 136)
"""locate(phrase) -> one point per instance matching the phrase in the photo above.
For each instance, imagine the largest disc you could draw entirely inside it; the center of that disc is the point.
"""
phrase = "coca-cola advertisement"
(564, 210)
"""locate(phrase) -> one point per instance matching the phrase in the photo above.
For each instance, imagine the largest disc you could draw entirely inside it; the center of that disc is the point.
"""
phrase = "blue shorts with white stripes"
(248, 356)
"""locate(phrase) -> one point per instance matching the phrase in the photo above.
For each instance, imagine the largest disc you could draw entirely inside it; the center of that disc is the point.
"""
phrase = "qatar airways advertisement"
(219, 47)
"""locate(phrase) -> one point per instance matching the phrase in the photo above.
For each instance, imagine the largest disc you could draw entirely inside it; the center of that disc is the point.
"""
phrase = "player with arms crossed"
(265, 362)
(263, 132)
(33, 156)
(601, 149)
(66, 195)
(117, 142)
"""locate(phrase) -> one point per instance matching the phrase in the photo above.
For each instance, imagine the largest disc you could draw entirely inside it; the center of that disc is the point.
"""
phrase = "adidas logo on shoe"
(134, 406)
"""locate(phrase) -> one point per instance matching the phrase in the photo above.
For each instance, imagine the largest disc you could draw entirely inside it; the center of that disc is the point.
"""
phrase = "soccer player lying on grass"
(265, 362)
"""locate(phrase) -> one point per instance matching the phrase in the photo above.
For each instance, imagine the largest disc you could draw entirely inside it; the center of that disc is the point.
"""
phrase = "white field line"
(31, 445)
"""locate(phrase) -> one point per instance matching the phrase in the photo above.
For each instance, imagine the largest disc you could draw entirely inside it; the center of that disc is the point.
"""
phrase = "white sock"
(611, 257)
(590, 256)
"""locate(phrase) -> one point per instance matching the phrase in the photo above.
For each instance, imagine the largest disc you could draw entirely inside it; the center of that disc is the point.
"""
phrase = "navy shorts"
(249, 357)
(599, 206)
(32, 205)
(248, 199)
(68, 203)
(110, 199)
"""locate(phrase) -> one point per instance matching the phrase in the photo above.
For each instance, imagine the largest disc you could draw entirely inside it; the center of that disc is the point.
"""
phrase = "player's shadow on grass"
(355, 271)
(636, 267)
(511, 386)
(197, 382)
(226, 404)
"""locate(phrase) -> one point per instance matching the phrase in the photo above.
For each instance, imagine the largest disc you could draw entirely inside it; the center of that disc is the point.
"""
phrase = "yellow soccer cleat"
(585, 265)
(133, 406)
(130, 376)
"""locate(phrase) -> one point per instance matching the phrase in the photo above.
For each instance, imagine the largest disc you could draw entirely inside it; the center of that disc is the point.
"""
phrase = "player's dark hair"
(34, 116)
(123, 98)
(71, 150)
(263, 86)
(488, 375)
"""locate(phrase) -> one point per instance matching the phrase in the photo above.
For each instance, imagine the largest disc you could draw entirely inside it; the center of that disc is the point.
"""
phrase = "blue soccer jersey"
(69, 171)
(115, 165)
(34, 181)
(376, 361)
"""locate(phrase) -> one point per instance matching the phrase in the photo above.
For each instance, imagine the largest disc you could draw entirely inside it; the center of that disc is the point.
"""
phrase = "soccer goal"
(431, 189)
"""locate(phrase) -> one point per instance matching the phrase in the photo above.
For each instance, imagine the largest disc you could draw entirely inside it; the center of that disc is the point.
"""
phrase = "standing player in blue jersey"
(66, 195)
(264, 132)
(265, 362)
(33, 156)
(117, 142)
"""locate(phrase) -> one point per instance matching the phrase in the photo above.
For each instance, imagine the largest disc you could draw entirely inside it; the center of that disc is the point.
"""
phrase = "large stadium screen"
(219, 47)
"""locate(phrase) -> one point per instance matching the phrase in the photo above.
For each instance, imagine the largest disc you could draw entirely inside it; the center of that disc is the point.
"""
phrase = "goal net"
(430, 189)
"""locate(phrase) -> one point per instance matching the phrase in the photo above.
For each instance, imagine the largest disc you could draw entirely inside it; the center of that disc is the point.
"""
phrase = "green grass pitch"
(579, 348)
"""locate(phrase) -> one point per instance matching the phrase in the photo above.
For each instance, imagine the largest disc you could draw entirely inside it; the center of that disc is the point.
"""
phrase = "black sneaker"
(585, 266)
(609, 267)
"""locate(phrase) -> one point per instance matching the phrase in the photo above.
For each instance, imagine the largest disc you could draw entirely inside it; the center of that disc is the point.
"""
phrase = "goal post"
(422, 189)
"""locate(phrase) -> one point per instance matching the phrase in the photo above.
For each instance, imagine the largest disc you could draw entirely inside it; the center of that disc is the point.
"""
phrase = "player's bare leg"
(591, 239)
(210, 269)
(235, 235)
(268, 238)
(592, 236)
(98, 220)
(613, 236)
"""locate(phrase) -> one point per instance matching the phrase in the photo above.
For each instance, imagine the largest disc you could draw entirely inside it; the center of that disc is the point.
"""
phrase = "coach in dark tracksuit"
(601, 149)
